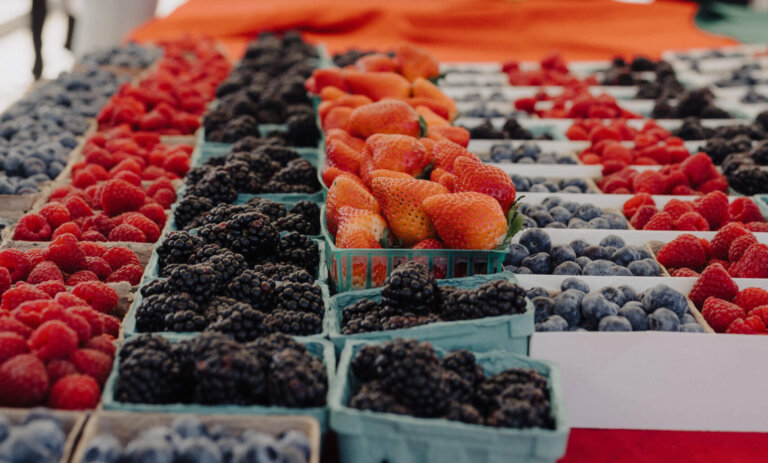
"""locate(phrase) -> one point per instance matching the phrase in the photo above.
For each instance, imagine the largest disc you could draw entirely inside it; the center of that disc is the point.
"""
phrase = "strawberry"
(377, 85)
(415, 62)
(429, 243)
(330, 174)
(749, 298)
(322, 78)
(472, 175)
(714, 281)
(719, 314)
(691, 221)
(642, 216)
(444, 178)
(714, 208)
(400, 153)
(458, 135)
(388, 117)
(355, 143)
(120, 196)
(432, 119)
(65, 251)
(346, 192)
(745, 210)
(377, 62)
(748, 325)
(356, 238)
(342, 156)
(435, 106)
(370, 221)
(446, 152)
(659, 221)
(23, 381)
(684, 251)
(753, 264)
(467, 220)
(725, 236)
(423, 88)
(386, 173)
(337, 118)
(634, 203)
(400, 202)
(739, 246)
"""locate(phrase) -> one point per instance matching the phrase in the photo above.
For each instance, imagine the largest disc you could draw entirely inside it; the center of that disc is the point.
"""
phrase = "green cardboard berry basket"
(373, 265)
(317, 347)
(511, 333)
(762, 203)
(372, 437)
(129, 323)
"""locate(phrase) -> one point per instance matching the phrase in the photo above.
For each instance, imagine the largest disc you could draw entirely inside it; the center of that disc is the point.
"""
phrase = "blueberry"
(521, 183)
(546, 158)
(199, 450)
(551, 202)
(54, 169)
(536, 241)
(598, 268)
(570, 206)
(577, 328)
(22, 447)
(640, 268)
(539, 263)
(538, 180)
(259, 447)
(529, 223)
(624, 255)
(637, 317)
(614, 323)
(610, 250)
(536, 291)
(227, 446)
(599, 223)
(297, 440)
(613, 294)
(544, 307)
(629, 293)
(587, 212)
(567, 268)
(42, 414)
(687, 318)
(575, 223)
(663, 320)
(542, 218)
(663, 296)
(574, 283)
(540, 188)
(595, 306)
(572, 189)
(567, 305)
(643, 252)
(160, 432)
(103, 448)
(654, 265)
(562, 253)
(560, 214)
(553, 323)
(526, 161)
(5, 427)
(596, 252)
(612, 240)
(48, 434)
(583, 261)
(524, 271)
(578, 246)
(579, 183)
(619, 271)
(517, 252)
(615, 221)
(565, 160)
(690, 328)
(189, 426)
(555, 225)
(501, 153)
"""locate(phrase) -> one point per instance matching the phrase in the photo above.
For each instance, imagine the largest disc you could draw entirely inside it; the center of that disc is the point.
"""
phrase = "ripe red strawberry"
(372, 222)
(342, 156)
(155, 213)
(93, 363)
(15, 296)
(346, 192)
(753, 264)
(120, 256)
(685, 272)
(400, 153)
(51, 287)
(714, 208)
(59, 368)
(739, 246)
(11, 345)
(23, 381)
(98, 295)
(748, 325)
(430, 243)
(684, 251)
(719, 313)
(148, 227)
(120, 196)
(127, 233)
(102, 343)
(55, 214)
(32, 227)
(725, 236)
(444, 178)
(81, 276)
(74, 392)
(356, 238)
(676, 208)
(400, 202)
(385, 117)
(131, 273)
(660, 221)
(467, 220)
(53, 339)
(691, 221)
(749, 298)
(16, 262)
(446, 152)
(476, 176)
(65, 251)
(745, 210)
(45, 271)
(94, 249)
(77, 207)
(642, 216)
(714, 281)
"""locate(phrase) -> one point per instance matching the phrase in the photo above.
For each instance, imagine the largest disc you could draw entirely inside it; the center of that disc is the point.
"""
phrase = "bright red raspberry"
(120, 256)
(83, 178)
(130, 273)
(94, 249)
(634, 203)
(684, 251)
(761, 311)
(748, 325)
(685, 272)
(78, 324)
(98, 266)
(165, 197)
(93, 363)
(158, 185)
(660, 221)
(676, 208)
(53, 339)
(749, 298)
(719, 313)
(93, 317)
(761, 227)
(127, 233)
(739, 246)
(714, 281)
(754, 262)
(131, 177)
(103, 343)
(31, 312)
(642, 216)
(69, 300)
(69, 227)
(147, 226)
(81, 276)
(178, 163)
(35, 256)
(100, 223)
(78, 207)
(648, 181)
(699, 168)
(98, 295)
(11, 345)
(111, 324)
(60, 368)
(15, 296)
(5, 280)
(120, 196)
(51, 288)
(74, 392)
(16, 262)
(155, 213)
(725, 236)
(65, 251)
(745, 210)
(55, 213)
(714, 208)
(23, 381)
(32, 227)
(12, 325)
(45, 271)
(691, 221)
(93, 236)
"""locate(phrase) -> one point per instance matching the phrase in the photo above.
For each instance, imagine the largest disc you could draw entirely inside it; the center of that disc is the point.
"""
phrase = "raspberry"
(648, 181)
(102, 343)
(750, 298)
(98, 295)
(93, 250)
(93, 363)
(745, 210)
(16, 262)
(697, 168)
(51, 287)
(748, 325)
(147, 226)
(53, 339)
(93, 318)
(633, 204)
(23, 381)
(685, 272)
(15, 296)
(753, 264)
(100, 223)
(120, 196)
(130, 273)
(125, 232)
(12, 325)
(676, 208)
(725, 236)
(128, 176)
(11, 345)
(757, 226)
(81, 276)
(178, 163)
(65, 251)
(98, 266)
(719, 313)
(165, 197)
(45, 271)
(31, 312)
(660, 221)
(60, 368)
(739, 246)
(691, 221)
(78, 324)
(714, 281)
(74, 392)
(684, 251)
(69, 300)
(93, 235)
(158, 185)
(111, 324)
(155, 213)
(35, 256)
(761, 311)
(32, 227)
(714, 208)
(69, 227)
(119, 256)
(5, 280)
(78, 207)
(55, 214)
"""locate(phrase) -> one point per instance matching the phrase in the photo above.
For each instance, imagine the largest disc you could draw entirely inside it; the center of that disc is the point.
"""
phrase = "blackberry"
(239, 321)
(374, 320)
(226, 373)
(295, 248)
(216, 234)
(485, 131)
(239, 127)
(252, 235)
(227, 265)
(459, 389)
(516, 414)
(190, 207)
(267, 346)
(215, 305)
(463, 412)
(280, 154)
(271, 209)
(274, 186)
(258, 163)
(177, 247)
(302, 130)
(147, 376)
(410, 286)
(494, 298)
(154, 287)
(253, 288)
(359, 309)
(302, 297)
(298, 172)
(248, 143)
(513, 129)
(294, 323)
(153, 310)
(762, 120)
(195, 175)
(297, 223)
(198, 280)
(526, 392)
(364, 364)
(222, 213)
(412, 372)
(165, 272)
(216, 186)
(216, 161)
(239, 173)
(462, 362)
(184, 320)
(297, 379)
(284, 272)
(400, 321)
(487, 393)
(184, 358)
(144, 342)
(206, 252)
(372, 397)
(749, 181)
(310, 211)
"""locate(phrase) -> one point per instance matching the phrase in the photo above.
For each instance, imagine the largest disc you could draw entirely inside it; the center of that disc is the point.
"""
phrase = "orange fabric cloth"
(454, 30)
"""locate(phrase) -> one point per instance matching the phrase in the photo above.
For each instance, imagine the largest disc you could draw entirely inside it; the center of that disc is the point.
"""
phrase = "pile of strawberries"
(575, 102)
(734, 248)
(705, 213)
(552, 71)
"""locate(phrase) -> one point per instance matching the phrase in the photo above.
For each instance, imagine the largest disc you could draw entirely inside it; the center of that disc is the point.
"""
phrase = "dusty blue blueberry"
(555, 225)
(663, 296)
(565, 160)
(551, 201)
(663, 319)
(577, 328)
(629, 293)
(536, 291)
(599, 223)
(633, 311)
(615, 221)
(54, 169)
(560, 214)
(48, 433)
(551, 187)
(614, 323)
(587, 212)
(21, 447)
(553, 323)
(579, 183)
(542, 218)
(595, 252)
(624, 255)
(539, 263)
(578, 246)
(690, 328)
(572, 189)
(577, 224)
(612, 240)
(583, 261)
(567, 305)
(619, 271)
(654, 265)
(561, 253)
(567, 268)
(643, 253)
(640, 268)
(610, 250)
(521, 183)
(529, 223)
(103, 448)
(5, 427)
(570, 206)
(539, 188)
(536, 241)
(687, 318)
(613, 294)
(297, 440)
(187, 426)
(594, 306)
(598, 268)
(517, 252)
(199, 450)
(544, 307)
(574, 283)
(501, 152)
